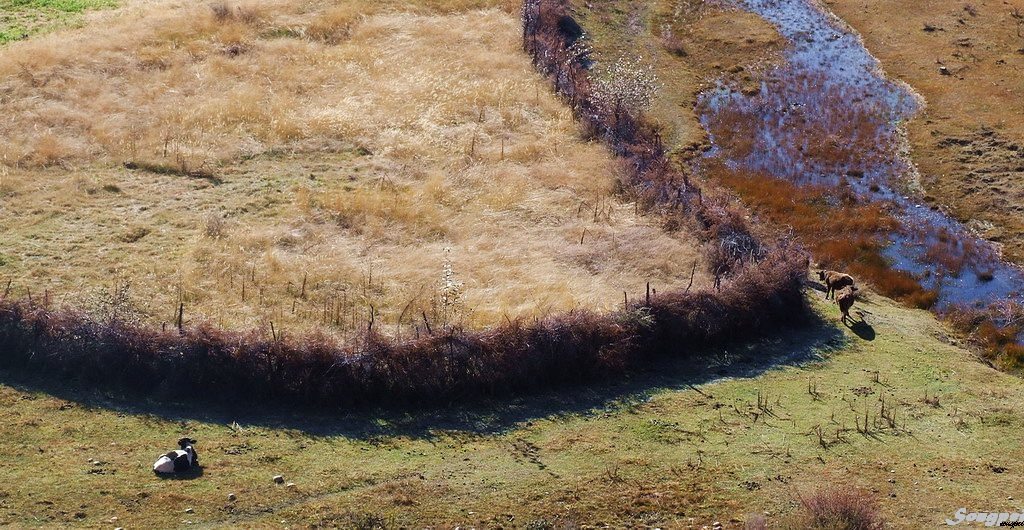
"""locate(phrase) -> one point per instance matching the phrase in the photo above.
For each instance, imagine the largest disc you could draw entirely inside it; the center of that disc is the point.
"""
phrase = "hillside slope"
(892, 405)
(649, 451)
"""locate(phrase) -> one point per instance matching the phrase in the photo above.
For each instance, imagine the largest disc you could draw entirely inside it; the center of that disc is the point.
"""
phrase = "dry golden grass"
(188, 86)
(344, 146)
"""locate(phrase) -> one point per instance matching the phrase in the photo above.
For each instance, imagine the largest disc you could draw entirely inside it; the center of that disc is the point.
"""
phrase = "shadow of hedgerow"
(788, 347)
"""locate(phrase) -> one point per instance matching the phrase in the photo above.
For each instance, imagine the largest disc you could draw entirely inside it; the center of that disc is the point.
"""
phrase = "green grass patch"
(674, 447)
(21, 19)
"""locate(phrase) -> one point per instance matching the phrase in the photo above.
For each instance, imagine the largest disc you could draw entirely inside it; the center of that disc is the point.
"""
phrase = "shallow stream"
(828, 116)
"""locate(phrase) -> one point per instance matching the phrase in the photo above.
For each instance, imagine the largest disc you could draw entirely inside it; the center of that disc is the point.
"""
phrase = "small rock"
(232, 497)
(113, 519)
(944, 71)
(189, 510)
(279, 479)
(290, 485)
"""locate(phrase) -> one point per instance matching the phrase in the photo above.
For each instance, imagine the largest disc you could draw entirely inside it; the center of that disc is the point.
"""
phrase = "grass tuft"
(840, 509)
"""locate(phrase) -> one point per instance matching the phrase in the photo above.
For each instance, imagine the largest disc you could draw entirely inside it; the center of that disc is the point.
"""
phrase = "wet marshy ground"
(827, 118)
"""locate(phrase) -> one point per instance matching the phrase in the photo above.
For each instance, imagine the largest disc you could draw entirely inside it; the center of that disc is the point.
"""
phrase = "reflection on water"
(828, 116)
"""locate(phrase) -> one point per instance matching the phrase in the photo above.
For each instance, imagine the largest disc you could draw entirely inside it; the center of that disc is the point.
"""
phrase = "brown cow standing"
(845, 298)
(834, 281)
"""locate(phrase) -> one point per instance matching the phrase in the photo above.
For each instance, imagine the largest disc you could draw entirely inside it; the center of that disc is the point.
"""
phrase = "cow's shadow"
(192, 474)
(862, 329)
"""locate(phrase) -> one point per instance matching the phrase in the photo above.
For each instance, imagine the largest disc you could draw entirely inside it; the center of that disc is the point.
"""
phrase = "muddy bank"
(967, 60)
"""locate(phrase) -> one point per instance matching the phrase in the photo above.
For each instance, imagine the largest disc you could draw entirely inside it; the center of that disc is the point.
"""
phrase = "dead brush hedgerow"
(552, 38)
(315, 370)
(761, 290)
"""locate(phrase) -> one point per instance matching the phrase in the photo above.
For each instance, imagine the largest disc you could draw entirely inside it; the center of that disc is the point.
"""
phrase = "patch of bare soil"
(967, 60)
(986, 185)
(730, 40)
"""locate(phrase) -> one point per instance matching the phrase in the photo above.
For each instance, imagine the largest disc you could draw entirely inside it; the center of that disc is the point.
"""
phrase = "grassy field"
(675, 447)
(20, 19)
(310, 165)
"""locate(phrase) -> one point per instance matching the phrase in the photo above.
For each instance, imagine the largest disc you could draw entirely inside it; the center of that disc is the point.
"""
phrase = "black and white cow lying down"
(179, 461)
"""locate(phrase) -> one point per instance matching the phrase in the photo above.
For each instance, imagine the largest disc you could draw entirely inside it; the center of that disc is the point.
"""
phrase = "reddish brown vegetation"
(763, 291)
(840, 136)
(996, 329)
(953, 252)
(847, 235)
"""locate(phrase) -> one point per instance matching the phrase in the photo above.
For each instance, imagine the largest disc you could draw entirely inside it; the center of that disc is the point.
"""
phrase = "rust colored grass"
(995, 329)
(842, 233)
